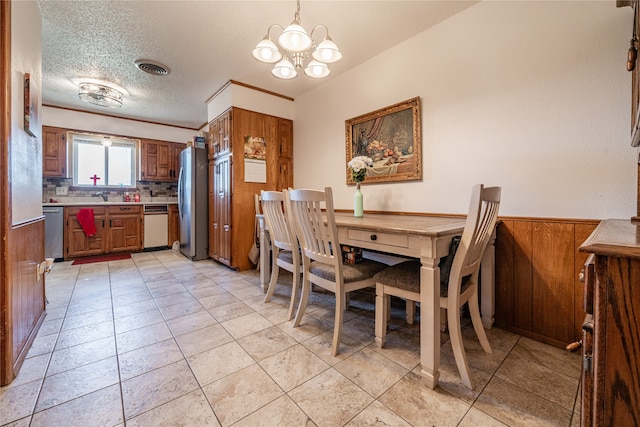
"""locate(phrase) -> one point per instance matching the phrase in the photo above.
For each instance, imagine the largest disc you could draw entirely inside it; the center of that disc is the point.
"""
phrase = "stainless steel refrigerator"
(193, 203)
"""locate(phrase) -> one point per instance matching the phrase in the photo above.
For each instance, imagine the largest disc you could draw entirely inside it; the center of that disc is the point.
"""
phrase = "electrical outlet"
(62, 191)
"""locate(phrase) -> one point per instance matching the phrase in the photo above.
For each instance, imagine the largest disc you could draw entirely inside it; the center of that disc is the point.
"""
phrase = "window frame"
(72, 166)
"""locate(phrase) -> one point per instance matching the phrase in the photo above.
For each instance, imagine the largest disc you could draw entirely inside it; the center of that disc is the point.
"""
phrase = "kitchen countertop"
(110, 203)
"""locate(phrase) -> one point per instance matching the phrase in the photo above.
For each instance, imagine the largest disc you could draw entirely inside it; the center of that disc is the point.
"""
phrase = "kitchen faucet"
(104, 195)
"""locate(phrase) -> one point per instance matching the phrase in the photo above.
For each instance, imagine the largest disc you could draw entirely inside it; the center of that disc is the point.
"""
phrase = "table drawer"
(387, 239)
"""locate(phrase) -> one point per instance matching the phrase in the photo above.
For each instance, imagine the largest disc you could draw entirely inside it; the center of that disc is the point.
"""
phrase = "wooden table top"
(402, 224)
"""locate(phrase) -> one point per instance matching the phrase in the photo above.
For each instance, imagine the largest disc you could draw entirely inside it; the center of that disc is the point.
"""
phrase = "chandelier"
(296, 46)
(101, 95)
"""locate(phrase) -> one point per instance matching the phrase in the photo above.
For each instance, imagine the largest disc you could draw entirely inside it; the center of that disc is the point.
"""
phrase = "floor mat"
(100, 258)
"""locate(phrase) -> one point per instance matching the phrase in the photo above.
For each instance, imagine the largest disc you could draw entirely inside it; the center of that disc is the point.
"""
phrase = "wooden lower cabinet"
(118, 229)
(220, 217)
(125, 228)
(611, 340)
(174, 225)
(77, 243)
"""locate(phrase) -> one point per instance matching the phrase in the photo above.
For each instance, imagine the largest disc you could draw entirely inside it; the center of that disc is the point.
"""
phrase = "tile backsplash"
(149, 192)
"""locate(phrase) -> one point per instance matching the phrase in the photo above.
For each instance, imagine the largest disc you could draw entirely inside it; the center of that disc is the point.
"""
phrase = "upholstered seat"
(406, 276)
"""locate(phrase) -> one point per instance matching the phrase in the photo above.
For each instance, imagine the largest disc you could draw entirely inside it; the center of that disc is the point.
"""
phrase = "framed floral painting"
(391, 138)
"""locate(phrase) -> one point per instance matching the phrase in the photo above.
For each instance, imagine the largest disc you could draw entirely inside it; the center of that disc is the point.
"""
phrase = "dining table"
(426, 237)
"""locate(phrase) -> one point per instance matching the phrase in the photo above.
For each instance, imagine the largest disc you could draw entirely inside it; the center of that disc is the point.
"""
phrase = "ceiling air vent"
(153, 68)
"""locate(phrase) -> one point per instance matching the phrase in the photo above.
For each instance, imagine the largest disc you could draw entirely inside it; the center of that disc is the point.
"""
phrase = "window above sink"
(102, 161)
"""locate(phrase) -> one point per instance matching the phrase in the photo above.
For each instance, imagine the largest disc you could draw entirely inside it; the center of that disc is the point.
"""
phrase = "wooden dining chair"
(285, 252)
(312, 213)
(461, 285)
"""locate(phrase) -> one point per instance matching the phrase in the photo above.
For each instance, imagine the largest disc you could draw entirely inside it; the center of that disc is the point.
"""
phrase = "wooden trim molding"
(235, 82)
(6, 334)
(121, 118)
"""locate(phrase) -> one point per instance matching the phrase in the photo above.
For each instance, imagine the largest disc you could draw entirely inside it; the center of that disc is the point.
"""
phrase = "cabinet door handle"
(373, 237)
(122, 208)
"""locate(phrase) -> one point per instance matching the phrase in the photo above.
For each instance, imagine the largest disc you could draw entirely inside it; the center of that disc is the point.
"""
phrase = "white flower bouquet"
(358, 166)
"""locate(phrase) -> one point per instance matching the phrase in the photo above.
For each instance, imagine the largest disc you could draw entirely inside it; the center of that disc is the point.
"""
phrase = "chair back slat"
(479, 226)
(279, 229)
(312, 214)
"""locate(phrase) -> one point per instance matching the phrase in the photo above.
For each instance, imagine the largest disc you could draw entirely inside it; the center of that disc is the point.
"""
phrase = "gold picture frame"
(391, 137)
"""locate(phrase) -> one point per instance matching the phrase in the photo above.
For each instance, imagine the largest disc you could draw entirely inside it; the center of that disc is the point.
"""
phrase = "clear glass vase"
(358, 209)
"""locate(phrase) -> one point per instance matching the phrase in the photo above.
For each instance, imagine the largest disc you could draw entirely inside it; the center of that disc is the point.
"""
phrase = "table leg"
(430, 322)
(488, 283)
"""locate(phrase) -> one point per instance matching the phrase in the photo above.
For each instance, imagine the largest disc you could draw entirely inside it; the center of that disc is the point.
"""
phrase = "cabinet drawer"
(117, 210)
(97, 210)
(387, 239)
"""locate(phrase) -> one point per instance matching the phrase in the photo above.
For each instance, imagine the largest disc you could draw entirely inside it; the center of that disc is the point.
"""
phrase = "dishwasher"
(53, 232)
(156, 226)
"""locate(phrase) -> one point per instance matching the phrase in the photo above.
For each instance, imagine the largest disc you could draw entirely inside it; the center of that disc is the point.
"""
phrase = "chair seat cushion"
(286, 256)
(351, 272)
(406, 276)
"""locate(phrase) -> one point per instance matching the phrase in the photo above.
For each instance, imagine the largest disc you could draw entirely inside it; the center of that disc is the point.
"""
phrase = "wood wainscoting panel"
(538, 292)
(24, 296)
(504, 291)
(522, 275)
(553, 285)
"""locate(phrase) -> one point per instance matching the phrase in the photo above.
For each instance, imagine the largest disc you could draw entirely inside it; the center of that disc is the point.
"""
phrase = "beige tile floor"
(160, 340)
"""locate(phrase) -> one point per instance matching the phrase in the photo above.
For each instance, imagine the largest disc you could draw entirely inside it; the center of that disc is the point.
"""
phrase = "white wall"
(25, 159)
(60, 117)
(531, 96)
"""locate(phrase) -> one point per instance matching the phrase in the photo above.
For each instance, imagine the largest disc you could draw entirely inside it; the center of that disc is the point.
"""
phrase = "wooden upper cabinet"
(286, 138)
(54, 152)
(285, 160)
(220, 136)
(174, 169)
(160, 160)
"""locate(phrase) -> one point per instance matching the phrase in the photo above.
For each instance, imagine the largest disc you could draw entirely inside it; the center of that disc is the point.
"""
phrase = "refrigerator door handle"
(180, 190)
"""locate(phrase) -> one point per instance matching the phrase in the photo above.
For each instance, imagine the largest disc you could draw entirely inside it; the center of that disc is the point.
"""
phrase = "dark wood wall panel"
(538, 293)
(25, 292)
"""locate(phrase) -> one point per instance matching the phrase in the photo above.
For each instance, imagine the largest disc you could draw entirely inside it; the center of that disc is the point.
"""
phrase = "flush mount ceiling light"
(101, 95)
(295, 45)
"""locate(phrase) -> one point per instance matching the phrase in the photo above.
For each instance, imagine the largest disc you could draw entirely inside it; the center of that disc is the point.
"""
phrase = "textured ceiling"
(205, 44)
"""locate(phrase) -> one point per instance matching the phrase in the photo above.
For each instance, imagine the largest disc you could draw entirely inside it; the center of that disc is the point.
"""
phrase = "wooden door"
(222, 243)
(125, 228)
(54, 152)
(78, 244)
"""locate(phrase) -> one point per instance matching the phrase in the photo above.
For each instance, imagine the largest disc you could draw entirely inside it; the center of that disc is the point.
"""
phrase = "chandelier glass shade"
(101, 95)
(295, 46)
